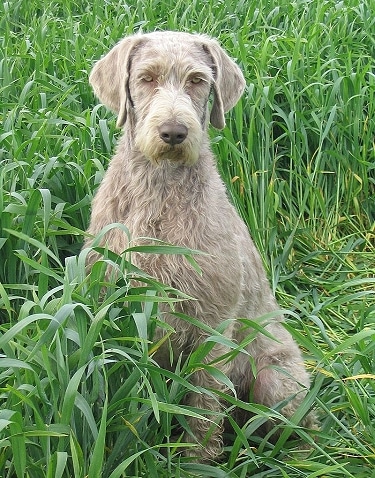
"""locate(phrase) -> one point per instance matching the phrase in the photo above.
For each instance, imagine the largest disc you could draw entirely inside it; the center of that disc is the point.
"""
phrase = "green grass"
(80, 394)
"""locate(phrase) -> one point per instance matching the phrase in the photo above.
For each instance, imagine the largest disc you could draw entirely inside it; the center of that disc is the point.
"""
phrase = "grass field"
(80, 395)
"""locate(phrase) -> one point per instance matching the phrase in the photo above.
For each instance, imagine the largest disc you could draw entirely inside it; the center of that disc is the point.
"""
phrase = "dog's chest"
(171, 206)
(176, 223)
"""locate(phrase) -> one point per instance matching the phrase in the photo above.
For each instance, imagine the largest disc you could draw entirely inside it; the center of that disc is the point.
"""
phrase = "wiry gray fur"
(163, 183)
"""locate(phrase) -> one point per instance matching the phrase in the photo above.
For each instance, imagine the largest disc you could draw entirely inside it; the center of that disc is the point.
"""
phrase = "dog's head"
(164, 80)
(110, 75)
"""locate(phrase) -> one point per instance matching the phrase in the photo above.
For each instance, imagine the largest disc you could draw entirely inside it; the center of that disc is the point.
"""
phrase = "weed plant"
(80, 393)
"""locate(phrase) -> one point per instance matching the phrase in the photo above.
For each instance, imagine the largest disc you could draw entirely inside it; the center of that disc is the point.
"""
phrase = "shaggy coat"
(163, 183)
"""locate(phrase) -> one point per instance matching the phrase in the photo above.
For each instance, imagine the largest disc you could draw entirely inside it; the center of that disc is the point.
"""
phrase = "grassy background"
(80, 395)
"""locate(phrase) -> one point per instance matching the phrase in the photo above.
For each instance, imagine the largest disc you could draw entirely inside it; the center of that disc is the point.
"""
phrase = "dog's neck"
(151, 184)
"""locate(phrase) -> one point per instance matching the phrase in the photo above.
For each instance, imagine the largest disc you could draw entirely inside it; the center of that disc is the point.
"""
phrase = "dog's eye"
(147, 78)
(196, 79)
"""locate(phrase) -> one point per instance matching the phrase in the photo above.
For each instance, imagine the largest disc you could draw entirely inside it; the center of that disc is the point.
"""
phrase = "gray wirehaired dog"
(163, 183)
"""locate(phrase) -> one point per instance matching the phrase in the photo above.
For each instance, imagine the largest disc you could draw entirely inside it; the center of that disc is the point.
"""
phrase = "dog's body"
(163, 183)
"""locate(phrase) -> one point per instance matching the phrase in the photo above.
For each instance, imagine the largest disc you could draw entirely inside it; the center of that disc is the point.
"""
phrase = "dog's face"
(169, 88)
(162, 83)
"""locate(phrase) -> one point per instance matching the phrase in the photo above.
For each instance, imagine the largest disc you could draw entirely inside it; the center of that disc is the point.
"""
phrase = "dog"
(163, 183)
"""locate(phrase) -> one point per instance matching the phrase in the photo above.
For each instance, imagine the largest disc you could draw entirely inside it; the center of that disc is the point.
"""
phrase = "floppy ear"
(228, 86)
(110, 75)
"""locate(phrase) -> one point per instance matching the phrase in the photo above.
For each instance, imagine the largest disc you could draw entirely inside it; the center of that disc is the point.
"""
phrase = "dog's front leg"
(207, 432)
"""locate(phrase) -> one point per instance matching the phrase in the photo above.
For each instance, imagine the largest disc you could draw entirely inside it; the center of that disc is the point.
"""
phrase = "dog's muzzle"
(172, 133)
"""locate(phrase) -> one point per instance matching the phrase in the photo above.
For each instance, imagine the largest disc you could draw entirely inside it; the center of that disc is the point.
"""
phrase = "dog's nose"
(172, 133)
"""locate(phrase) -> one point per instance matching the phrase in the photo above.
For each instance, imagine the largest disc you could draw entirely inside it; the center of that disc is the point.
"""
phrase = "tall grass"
(80, 393)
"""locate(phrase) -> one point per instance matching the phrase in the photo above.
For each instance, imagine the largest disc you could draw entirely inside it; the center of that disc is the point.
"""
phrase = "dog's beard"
(156, 150)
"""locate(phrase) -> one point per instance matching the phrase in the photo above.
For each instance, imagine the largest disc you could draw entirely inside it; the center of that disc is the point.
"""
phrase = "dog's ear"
(229, 83)
(110, 76)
